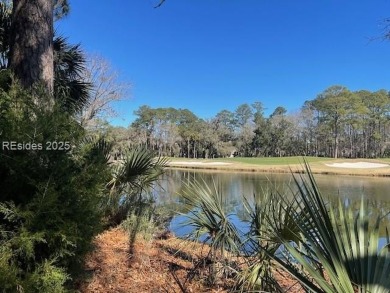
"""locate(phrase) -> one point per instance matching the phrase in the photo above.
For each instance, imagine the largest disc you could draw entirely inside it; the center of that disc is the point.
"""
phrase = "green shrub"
(47, 278)
(141, 225)
(51, 200)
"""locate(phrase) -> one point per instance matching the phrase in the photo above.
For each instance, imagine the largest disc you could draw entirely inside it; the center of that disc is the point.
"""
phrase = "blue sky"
(210, 55)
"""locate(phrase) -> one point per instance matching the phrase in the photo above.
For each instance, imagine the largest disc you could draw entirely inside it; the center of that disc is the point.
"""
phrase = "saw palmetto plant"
(210, 222)
(340, 249)
(131, 177)
(327, 247)
(270, 223)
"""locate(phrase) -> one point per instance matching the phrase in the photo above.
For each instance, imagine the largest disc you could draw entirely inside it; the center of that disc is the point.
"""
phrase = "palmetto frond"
(270, 224)
(69, 64)
(340, 250)
(207, 216)
(206, 213)
(137, 173)
(139, 169)
(99, 149)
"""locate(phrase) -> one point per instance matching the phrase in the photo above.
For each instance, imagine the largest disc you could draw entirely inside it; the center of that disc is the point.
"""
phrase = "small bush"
(141, 225)
(51, 200)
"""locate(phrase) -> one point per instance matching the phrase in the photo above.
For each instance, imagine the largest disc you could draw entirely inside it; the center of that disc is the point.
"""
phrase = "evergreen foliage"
(337, 123)
(50, 198)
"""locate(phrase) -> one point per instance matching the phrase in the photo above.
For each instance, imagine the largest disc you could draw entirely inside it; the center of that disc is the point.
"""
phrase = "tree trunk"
(188, 148)
(195, 156)
(336, 140)
(31, 42)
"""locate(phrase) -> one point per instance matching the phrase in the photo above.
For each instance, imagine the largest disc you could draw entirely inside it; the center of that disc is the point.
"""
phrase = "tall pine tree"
(31, 42)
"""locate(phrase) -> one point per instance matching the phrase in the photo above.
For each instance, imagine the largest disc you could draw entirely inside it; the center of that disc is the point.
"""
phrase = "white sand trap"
(199, 163)
(358, 165)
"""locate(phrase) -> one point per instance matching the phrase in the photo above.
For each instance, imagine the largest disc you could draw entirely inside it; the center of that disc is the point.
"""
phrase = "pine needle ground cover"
(149, 269)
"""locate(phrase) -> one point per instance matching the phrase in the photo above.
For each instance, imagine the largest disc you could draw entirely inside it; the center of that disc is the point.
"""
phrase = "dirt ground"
(153, 266)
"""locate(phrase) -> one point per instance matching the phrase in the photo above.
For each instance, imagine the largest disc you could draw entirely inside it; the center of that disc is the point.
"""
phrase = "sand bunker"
(199, 163)
(358, 165)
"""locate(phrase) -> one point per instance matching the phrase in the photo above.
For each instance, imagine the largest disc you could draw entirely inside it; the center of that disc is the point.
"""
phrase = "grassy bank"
(281, 165)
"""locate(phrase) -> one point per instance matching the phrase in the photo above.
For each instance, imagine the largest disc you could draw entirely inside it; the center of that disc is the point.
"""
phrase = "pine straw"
(156, 266)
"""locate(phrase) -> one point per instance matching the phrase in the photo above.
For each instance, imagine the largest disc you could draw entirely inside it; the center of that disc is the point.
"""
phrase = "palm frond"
(69, 64)
(139, 170)
(340, 249)
(101, 150)
(131, 177)
(270, 224)
(210, 222)
(206, 213)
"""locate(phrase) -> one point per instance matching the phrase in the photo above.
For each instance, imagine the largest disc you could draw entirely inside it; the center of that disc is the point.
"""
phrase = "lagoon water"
(235, 186)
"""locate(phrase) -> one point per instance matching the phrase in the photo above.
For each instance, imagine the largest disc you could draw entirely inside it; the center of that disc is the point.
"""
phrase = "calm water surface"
(236, 186)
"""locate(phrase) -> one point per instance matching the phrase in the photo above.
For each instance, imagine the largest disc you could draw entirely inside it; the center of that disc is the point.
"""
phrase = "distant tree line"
(337, 123)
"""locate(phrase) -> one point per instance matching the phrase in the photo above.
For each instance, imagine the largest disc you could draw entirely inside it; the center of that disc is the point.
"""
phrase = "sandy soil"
(358, 165)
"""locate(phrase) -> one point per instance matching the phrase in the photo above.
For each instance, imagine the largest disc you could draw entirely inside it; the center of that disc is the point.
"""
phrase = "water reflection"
(236, 186)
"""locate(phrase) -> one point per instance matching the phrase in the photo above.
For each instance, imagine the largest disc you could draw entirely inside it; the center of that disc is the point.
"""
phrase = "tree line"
(338, 122)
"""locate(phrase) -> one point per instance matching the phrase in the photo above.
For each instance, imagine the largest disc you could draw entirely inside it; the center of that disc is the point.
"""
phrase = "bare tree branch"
(159, 4)
(106, 90)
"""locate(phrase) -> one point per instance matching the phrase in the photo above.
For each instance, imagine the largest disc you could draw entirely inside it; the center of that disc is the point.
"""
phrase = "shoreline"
(316, 168)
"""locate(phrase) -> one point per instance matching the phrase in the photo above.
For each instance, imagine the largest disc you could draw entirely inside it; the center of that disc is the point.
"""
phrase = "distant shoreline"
(325, 168)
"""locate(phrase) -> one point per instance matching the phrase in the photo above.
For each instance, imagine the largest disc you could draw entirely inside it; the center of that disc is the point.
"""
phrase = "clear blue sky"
(209, 55)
